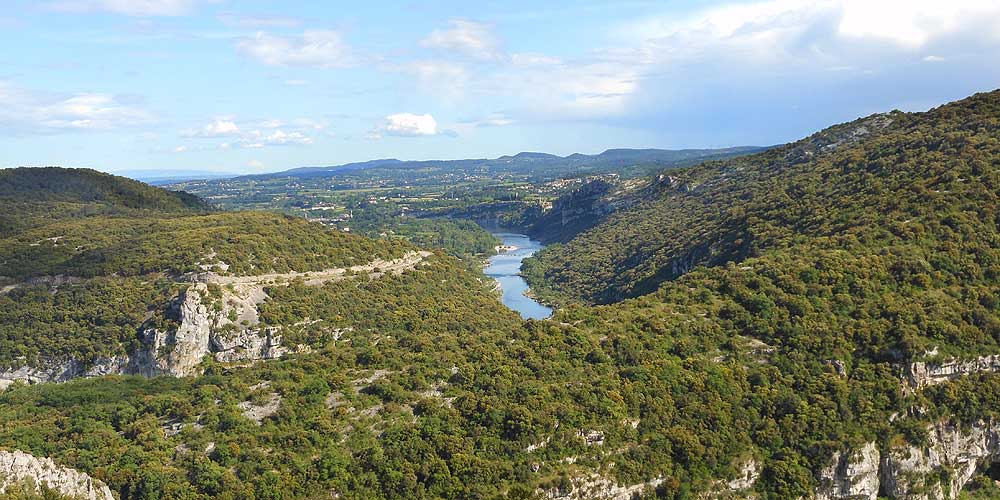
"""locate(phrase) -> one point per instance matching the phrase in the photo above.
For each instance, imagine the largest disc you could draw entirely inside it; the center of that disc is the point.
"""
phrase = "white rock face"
(851, 475)
(739, 487)
(62, 371)
(248, 345)
(912, 472)
(922, 374)
(747, 477)
(226, 325)
(179, 352)
(17, 467)
(950, 447)
(597, 487)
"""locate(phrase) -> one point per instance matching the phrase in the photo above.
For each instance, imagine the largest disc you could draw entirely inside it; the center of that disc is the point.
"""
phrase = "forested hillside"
(919, 189)
(96, 258)
(39, 195)
(820, 320)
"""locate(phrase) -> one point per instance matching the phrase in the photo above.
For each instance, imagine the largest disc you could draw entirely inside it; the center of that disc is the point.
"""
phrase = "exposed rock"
(747, 477)
(216, 315)
(247, 345)
(737, 487)
(17, 467)
(937, 471)
(180, 351)
(62, 371)
(851, 475)
(920, 374)
(597, 487)
(592, 438)
(258, 413)
(918, 473)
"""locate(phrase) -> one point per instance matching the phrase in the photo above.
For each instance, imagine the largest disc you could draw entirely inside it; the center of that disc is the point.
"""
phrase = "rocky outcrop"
(248, 345)
(920, 374)
(942, 468)
(852, 475)
(597, 487)
(216, 315)
(218, 321)
(937, 470)
(21, 468)
(178, 352)
(62, 371)
(739, 487)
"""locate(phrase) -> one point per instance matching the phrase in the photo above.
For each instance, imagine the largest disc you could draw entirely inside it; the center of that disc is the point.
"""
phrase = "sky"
(256, 86)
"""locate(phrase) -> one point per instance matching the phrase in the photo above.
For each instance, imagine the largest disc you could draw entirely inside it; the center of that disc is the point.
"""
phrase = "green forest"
(758, 308)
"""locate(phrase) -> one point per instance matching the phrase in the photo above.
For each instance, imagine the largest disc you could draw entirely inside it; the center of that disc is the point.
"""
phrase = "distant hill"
(161, 177)
(540, 163)
(56, 184)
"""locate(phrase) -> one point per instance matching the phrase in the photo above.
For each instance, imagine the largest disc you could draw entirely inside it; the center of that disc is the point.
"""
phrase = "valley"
(814, 320)
(505, 268)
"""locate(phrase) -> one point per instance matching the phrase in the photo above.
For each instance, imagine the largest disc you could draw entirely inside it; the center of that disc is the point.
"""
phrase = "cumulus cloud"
(832, 59)
(256, 139)
(256, 134)
(137, 8)
(807, 63)
(466, 37)
(406, 125)
(24, 111)
(316, 48)
(215, 128)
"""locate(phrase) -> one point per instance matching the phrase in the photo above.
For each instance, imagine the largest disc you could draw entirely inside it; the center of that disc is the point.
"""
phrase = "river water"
(505, 267)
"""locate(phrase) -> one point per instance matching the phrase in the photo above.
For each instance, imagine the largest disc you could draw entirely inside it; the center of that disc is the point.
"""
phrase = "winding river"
(505, 268)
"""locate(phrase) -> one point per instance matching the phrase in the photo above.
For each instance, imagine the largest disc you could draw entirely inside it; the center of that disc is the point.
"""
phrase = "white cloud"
(934, 59)
(469, 38)
(492, 120)
(256, 139)
(316, 48)
(780, 28)
(256, 134)
(913, 23)
(215, 128)
(24, 111)
(137, 8)
(406, 125)
(533, 59)
(244, 21)
(444, 79)
(659, 63)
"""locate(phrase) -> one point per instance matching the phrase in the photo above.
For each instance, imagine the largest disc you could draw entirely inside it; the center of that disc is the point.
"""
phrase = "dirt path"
(316, 278)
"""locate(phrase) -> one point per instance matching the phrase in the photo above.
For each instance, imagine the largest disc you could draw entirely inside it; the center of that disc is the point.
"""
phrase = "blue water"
(505, 268)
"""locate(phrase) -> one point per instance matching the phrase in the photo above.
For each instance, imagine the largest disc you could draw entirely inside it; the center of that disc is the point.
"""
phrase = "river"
(505, 268)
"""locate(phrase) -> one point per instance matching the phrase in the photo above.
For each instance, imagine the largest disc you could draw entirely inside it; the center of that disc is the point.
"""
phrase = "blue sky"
(250, 86)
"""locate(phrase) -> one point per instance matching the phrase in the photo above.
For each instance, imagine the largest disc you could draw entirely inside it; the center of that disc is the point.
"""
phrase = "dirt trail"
(316, 278)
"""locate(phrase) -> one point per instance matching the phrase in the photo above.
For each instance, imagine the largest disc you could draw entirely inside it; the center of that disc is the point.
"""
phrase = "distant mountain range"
(612, 158)
(163, 177)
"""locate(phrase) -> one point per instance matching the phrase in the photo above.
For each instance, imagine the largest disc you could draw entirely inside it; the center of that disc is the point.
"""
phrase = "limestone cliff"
(938, 470)
(920, 374)
(851, 475)
(21, 468)
(214, 315)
